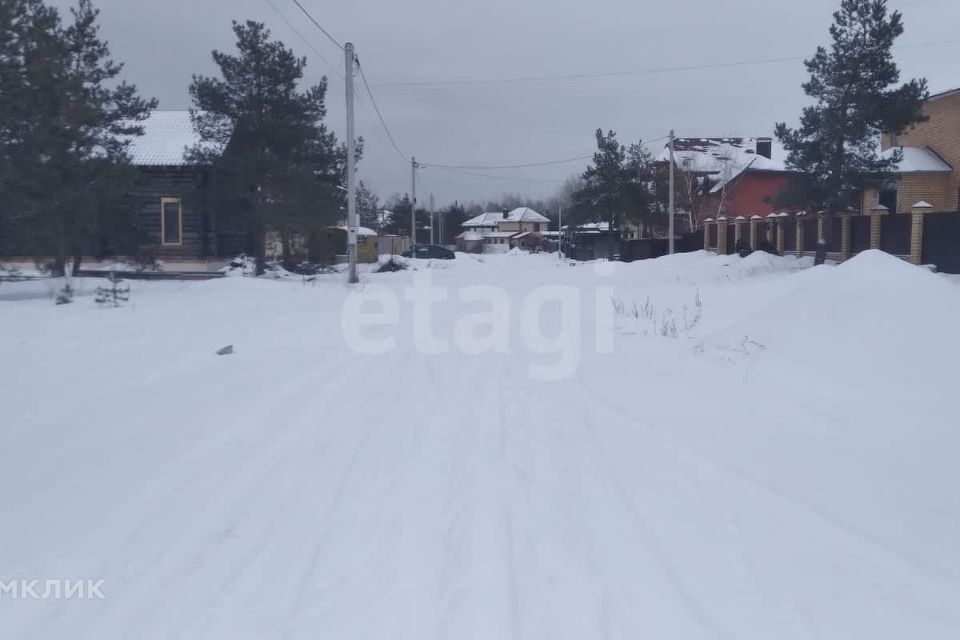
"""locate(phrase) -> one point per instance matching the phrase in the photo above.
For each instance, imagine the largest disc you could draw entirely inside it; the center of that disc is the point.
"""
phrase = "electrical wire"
(493, 177)
(304, 39)
(614, 74)
(376, 108)
(524, 166)
(317, 24)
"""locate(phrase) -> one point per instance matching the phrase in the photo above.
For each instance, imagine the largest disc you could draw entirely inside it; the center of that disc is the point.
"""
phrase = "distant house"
(929, 169)
(500, 231)
(170, 190)
(730, 176)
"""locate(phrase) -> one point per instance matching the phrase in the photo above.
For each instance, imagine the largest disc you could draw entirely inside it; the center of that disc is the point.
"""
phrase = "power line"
(506, 166)
(613, 74)
(527, 165)
(376, 108)
(303, 38)
(493, 177)
(317, 24)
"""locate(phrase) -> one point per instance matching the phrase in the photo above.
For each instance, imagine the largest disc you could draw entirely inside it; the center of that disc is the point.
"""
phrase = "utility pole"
(352, 222)
(413, 205)
(672, 202)
(431, 219)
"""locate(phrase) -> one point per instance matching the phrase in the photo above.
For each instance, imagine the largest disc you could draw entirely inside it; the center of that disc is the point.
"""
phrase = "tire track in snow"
(270, 446)
(308, 574)
(686, 595)
(881, 555)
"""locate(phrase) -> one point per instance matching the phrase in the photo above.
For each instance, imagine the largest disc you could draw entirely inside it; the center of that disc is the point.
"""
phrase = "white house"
(504, 230)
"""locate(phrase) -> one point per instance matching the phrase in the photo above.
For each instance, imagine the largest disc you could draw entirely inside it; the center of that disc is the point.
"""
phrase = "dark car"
(431, 252)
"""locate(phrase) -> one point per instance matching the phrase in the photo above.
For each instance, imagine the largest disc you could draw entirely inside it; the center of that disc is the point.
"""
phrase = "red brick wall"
(746, 196)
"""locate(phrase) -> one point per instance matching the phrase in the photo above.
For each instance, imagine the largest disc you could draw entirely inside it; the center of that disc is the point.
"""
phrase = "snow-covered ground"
(764, 450)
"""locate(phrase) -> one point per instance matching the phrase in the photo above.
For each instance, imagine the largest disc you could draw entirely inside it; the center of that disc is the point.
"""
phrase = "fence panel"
(895, 229)
(836, 238)
(810, 231)
(941, 241)
(631, 250)
(859, 234)
(789, 236)
(690, 242)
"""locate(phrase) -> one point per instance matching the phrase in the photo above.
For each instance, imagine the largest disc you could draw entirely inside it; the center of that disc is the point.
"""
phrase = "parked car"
(431, 252)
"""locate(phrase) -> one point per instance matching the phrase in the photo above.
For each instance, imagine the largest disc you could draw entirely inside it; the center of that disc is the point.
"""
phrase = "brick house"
(729, 176)
(930, 167)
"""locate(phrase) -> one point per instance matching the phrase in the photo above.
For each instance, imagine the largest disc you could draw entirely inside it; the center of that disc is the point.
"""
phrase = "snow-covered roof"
(361, 231)
(500, 234)
(166, 137)
(917, 160)
(489, 219)
(723, 159)
(470, 236)
(493, 218)
(526, 214)
(715, 155)
(590, 227)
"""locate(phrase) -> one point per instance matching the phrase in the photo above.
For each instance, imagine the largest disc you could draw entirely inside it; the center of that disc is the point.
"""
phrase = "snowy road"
(712, 485)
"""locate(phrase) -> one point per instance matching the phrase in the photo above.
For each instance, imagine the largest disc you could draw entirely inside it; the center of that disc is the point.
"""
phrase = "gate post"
(706, 233)
(753, 232)
(916, 231)
(722, 236)
(845, 235)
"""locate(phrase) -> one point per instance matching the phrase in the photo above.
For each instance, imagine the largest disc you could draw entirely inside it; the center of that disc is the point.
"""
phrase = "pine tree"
(67, 124)
(276, 163)
(113, 295)
(368, 207)
(853, 83)
(617, 187)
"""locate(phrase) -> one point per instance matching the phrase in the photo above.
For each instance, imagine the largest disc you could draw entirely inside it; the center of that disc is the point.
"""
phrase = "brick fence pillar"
(845, 236)
(706, 233)
(916, 231)
(721, 235)
(738, 231)
(780, 238)
(876, 216)
(753, 232)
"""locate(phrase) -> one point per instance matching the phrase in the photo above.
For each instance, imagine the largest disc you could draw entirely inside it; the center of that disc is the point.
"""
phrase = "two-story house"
(929, 169)
(501, 231)
(728, 176)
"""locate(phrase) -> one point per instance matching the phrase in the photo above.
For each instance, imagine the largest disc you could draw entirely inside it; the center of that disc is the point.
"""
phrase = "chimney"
(765, 147)
(505, 214)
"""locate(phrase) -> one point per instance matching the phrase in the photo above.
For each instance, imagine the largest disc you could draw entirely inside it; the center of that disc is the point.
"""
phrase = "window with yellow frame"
(171, 221)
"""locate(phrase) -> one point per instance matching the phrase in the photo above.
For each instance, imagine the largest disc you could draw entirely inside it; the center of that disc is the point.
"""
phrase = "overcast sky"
(163, 42)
